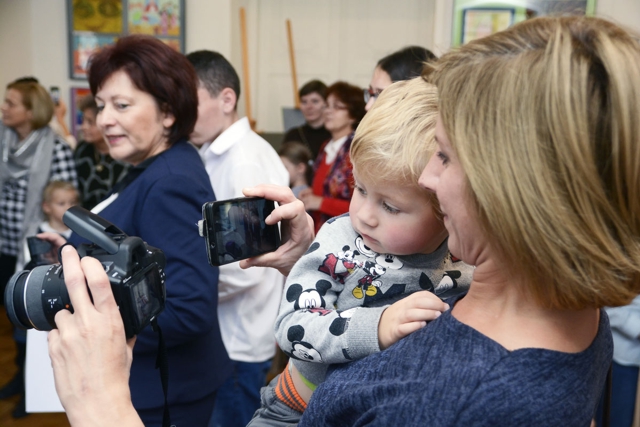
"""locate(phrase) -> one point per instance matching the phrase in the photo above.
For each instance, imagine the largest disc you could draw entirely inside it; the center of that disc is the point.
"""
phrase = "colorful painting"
(77, 93)
(98, 16)
(85, 45)
(480, 23)
(154, 17)
(478, 18)
(97, 23)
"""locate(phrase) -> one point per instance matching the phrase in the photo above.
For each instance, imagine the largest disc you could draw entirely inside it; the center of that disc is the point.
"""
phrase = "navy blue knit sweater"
(449, 374)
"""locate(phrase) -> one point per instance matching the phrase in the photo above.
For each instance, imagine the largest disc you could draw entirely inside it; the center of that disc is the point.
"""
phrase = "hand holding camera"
(135, 271)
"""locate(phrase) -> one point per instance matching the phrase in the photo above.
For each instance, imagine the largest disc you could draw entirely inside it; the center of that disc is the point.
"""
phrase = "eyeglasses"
(336, 107)
(370, 94)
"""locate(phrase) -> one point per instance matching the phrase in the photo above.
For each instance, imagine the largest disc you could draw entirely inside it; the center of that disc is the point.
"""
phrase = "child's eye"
(360, 190)
(443, 157)
(390, 208)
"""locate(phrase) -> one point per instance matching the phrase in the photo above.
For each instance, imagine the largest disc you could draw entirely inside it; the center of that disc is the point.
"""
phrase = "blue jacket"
(162, 206)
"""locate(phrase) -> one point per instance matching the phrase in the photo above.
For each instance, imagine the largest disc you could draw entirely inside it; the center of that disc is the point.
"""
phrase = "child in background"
(297, 159)
(375, 275)
(57, 197)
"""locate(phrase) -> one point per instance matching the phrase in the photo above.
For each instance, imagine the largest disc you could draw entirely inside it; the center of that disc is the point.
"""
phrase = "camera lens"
(32, 298)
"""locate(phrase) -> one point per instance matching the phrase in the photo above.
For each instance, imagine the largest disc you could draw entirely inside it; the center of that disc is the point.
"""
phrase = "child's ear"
(45, 208)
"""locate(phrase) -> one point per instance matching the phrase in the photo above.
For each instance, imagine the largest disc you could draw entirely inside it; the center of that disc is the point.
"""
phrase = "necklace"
(98, 160)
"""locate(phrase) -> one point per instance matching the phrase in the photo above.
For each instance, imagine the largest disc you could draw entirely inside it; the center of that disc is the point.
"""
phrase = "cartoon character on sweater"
(339, 266)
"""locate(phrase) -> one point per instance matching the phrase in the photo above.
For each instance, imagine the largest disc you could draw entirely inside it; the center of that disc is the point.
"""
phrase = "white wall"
(33, 39)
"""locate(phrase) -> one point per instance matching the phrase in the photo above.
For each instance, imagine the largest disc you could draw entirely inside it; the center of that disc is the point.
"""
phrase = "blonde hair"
(52, 186)
(395, 140)
(37, 100)
(545, 119)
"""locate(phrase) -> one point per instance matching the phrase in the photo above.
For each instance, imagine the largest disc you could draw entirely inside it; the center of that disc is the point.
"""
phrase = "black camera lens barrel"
(24, 296)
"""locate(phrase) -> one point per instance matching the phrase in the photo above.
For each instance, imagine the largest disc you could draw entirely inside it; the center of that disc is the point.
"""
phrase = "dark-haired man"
(248, 300)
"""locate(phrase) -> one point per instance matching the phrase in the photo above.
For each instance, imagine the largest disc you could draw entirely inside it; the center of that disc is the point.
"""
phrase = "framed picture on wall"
(474, 19)
(94, 24)
(478, 23)
(77, 93)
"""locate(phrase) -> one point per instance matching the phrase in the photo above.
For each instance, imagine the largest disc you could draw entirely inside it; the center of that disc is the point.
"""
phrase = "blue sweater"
(449, 374)
(162, 206)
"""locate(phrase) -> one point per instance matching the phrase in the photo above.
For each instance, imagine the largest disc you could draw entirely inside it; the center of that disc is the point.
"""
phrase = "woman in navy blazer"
(147, 102)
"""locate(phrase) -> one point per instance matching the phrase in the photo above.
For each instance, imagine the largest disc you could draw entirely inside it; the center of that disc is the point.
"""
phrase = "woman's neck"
(23, 131)
(101, 146)
(341, 133)
(501, 308)
(316, 123)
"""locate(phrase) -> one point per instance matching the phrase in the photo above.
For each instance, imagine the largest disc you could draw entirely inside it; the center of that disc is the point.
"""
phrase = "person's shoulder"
(181, 157)
(292, 135)
(179, 165)
(533, 386)
(337, 224)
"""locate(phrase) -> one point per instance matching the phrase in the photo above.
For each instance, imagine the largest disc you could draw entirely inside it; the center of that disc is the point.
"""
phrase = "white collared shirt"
(248, 299)
(332, 148)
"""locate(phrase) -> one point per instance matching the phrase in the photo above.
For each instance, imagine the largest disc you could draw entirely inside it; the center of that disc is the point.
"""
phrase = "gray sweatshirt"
(336, 293)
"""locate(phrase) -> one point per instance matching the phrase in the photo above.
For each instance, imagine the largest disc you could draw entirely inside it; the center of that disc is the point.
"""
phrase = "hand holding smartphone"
(235, 229)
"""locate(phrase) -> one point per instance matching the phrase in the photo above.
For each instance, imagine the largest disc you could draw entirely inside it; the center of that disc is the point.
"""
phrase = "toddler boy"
(376, 274)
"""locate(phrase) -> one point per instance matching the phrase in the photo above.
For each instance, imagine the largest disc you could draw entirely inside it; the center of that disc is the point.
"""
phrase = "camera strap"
(162, 363)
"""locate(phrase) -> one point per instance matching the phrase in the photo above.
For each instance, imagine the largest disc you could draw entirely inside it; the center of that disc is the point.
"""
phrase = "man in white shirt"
(248, 300)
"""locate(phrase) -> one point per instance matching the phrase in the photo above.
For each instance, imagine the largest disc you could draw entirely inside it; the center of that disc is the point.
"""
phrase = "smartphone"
(235, 229)
(55, 94)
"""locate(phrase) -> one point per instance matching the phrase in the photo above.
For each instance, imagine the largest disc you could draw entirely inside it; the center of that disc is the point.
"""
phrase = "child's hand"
(407, 316)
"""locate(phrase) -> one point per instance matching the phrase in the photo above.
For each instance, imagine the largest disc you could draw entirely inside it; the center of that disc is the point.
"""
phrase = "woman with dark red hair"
(147, 107)
(332, 186)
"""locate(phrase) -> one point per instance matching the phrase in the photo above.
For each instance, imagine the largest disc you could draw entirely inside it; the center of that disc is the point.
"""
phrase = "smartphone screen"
(55, 94)
(235, 229)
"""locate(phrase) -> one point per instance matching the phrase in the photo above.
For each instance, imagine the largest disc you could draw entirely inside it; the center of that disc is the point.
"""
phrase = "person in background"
(297, 159)
(57, 197)
(97, 171)
(625, 328)
(403, 64)
(236, 157)
(57, 122)
(59, 125)
(313, 101)
(31, 155)
(332, 185)
(147, 100)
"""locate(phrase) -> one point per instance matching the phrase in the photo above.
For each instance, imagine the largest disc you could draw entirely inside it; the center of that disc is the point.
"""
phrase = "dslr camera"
(135, 270)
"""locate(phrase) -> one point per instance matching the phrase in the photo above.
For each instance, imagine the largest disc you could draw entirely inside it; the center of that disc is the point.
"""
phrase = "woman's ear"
(168, 120)
(229, 100)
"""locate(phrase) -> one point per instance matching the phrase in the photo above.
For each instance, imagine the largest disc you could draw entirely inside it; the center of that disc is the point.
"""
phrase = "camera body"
(235, 229)
(135, 271)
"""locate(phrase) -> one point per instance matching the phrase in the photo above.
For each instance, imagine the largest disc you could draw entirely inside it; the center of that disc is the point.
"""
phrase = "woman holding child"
(537, 174)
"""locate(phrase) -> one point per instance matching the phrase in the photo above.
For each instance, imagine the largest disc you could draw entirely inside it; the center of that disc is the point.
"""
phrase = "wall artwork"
(77, 93)
(478, 18)
(97, 23)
